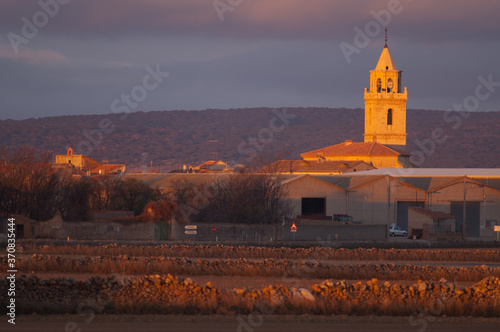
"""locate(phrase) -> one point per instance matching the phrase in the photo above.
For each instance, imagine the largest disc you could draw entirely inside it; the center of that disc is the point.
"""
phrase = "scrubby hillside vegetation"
(172, 138)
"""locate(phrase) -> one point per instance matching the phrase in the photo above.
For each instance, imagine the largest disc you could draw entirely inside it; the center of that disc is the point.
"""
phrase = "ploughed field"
(240, 280)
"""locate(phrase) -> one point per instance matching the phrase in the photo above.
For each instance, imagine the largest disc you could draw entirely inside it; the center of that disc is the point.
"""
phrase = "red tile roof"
(304, 166)
(212, 165)
(432, 214)
(207, 163)
(349, 148)
(107, 168)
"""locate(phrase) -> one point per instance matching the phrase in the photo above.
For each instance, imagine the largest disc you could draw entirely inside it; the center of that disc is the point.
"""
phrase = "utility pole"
(464, 211)
(389, 201)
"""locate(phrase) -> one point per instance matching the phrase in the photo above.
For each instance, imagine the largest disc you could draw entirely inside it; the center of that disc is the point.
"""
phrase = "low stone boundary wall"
(208, 232)
(97, 230)
(330, 233)
(227, 232)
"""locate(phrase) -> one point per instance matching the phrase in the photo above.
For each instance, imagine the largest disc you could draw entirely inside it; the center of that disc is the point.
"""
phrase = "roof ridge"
(356, 148)
(371, 149)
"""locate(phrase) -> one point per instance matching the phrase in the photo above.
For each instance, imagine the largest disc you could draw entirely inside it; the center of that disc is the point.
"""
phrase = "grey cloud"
(268, 53)
(441, 20)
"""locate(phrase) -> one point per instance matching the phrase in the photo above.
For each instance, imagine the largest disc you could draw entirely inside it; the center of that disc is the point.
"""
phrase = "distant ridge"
(171, 138)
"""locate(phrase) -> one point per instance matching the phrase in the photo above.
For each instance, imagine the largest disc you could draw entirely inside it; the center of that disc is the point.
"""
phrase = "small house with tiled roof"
(423, 221)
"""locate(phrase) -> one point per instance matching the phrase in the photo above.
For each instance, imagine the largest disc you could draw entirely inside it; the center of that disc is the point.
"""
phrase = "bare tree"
(248, 198)
(28, 184)
(159, 210)
(103, 192)
(133, 195)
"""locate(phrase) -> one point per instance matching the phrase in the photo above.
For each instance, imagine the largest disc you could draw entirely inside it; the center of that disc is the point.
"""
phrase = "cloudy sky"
(61, 57)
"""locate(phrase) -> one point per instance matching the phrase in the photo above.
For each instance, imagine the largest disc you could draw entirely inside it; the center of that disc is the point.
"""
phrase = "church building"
(384, 143)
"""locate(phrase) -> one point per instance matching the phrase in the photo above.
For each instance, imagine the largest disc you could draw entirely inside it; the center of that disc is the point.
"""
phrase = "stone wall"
(107, 215)
(90, 230)
(327, 232)
(110, 231)
(307, 231)
(157, 294)
(228, 232)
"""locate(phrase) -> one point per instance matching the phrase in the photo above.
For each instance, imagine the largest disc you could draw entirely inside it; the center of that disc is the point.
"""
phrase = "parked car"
(397, 231)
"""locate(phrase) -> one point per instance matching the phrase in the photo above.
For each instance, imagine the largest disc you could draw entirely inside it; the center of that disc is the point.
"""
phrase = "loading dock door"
(472, 212)
(313, 206)
(402, 220)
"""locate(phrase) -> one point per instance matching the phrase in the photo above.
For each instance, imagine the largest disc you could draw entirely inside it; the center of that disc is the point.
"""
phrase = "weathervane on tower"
(385, 37)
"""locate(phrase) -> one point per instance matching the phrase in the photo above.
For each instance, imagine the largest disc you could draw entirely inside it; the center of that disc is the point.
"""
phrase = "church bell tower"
(385, 104)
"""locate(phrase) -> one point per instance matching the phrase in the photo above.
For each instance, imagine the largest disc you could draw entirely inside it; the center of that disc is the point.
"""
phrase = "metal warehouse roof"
(422, 178)
(432, 172)
(339, 181)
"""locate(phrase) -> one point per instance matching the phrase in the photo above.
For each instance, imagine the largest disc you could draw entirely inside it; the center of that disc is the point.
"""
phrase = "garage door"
(403, 212)
(313, 206)
(472, 212)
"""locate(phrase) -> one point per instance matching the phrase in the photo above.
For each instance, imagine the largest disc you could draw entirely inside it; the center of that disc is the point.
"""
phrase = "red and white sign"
(213, 229)
(293, 228)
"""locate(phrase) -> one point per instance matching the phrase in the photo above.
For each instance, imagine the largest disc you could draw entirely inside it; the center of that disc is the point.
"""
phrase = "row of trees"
(31, 186)
(241, 198)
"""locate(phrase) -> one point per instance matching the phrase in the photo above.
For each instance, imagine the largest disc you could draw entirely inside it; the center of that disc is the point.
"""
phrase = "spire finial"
(385, 37)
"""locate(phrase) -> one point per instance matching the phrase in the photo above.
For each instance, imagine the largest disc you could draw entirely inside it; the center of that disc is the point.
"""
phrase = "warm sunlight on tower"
(385, 104)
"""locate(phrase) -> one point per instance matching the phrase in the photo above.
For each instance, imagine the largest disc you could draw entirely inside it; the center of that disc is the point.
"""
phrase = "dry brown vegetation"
(150, 287)
(169, 295)
(31, 185)
(184, 137)
(226, 251)
(245, 267)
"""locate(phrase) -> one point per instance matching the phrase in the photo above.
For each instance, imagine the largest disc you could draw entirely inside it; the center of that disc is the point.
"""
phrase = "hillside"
(171, 138)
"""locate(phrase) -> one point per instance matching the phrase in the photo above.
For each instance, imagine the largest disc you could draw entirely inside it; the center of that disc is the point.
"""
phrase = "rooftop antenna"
(385, 37)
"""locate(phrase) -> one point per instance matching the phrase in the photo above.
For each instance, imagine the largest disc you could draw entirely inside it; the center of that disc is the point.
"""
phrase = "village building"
(86, 165)
(385, 134)
(211, 166)
(424, 223)
(373, 154)
(433, 204)
(372, 183)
